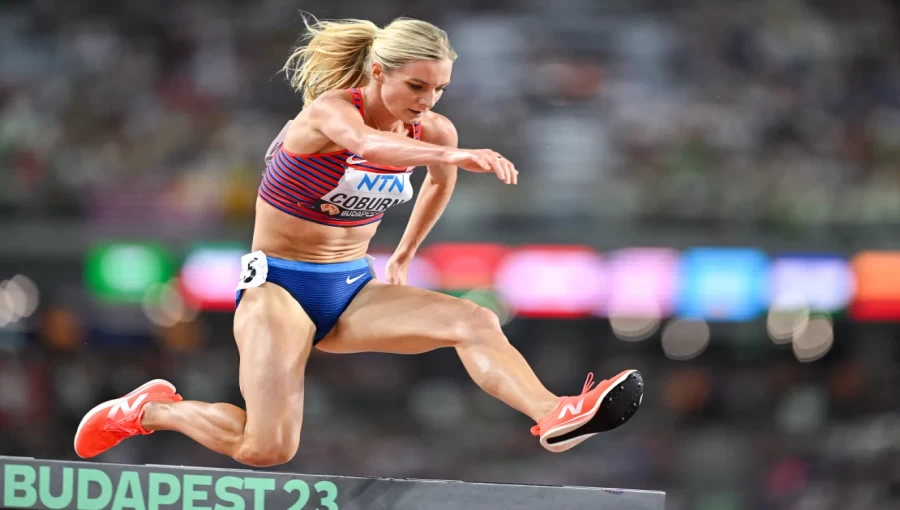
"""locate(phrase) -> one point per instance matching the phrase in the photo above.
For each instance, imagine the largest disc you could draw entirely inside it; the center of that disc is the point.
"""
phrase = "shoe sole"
(625, 396)
(106, 404)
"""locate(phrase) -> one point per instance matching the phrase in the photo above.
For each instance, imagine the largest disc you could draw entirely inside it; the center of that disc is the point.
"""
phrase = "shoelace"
(589, 383)
(127, 424)
(118, 427)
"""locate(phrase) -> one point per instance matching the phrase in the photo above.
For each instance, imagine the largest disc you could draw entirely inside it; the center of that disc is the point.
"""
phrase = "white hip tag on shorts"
(254, 270)
(371, 261)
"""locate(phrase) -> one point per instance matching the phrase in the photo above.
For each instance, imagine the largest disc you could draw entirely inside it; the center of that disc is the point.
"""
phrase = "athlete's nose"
(427, 101)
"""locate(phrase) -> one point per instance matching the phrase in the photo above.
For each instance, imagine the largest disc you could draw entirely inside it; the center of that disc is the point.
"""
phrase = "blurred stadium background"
(710, 193)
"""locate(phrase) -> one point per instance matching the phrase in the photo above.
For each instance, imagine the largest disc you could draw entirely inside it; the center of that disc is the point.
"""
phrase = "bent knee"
(266, 453)
(478, 324)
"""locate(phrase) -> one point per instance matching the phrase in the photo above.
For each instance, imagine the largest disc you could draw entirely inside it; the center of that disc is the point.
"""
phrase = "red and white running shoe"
(113, 421)
(609, 405)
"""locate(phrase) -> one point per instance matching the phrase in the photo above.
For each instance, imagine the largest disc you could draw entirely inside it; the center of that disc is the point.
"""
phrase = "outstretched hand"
(485, 161)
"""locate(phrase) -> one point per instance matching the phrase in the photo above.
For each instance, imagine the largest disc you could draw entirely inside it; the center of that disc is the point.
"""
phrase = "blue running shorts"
(323, 290)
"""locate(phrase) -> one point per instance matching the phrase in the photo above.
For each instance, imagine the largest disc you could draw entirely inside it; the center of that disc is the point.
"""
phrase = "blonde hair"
(339, 54)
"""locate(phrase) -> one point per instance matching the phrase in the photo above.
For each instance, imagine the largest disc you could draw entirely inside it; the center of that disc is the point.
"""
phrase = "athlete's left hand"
(396, 270)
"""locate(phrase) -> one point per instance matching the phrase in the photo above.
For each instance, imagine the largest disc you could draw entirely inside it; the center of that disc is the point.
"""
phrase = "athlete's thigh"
(398, 319)
(274, 338)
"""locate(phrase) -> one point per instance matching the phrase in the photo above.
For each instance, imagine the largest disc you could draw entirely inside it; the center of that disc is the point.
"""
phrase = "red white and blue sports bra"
(339, 188)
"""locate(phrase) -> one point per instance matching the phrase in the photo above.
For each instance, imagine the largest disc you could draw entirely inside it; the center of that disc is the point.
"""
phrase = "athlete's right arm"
(340, 122)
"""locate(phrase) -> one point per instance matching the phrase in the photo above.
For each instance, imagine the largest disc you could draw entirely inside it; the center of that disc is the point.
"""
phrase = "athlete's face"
(414, 89)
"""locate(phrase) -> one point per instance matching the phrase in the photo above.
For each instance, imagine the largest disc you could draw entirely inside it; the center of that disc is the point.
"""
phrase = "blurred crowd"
(781, 111)
(726, 112)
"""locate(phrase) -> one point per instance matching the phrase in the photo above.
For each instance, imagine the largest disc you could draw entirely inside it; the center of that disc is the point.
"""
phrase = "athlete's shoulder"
(439, 130)
(327, 101)
(339, 94)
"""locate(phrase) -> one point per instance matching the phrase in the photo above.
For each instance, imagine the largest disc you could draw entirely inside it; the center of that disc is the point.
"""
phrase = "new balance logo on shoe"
(125, 408)
(574, 410)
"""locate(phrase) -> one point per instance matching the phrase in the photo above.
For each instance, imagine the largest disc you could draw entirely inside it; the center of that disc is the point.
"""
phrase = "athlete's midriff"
(284, 236)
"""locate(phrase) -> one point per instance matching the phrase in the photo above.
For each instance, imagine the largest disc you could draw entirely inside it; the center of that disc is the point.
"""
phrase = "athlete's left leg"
(408, 320)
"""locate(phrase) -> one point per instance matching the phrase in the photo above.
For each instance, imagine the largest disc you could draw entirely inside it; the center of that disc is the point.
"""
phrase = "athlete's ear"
(377, 72)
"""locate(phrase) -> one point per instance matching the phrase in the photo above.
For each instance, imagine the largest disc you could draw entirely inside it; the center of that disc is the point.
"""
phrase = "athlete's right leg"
(274, 338)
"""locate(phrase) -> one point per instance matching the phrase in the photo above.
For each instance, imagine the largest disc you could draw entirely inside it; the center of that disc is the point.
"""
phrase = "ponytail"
(336, 56)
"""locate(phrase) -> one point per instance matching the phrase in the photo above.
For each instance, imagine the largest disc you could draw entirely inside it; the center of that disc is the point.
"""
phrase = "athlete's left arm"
(431, 202)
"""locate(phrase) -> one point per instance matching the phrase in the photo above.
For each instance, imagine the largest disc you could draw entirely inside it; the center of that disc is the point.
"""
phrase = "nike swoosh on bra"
(351, 280)
(351, 160)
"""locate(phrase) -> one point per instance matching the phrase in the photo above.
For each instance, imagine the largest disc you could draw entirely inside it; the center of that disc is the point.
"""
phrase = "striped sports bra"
(339, 188)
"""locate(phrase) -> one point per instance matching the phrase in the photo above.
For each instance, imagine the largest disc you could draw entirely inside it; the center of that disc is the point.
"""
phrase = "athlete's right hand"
(484, 161)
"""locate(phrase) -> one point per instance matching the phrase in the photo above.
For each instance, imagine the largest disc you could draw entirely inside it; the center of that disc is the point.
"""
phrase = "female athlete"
(330, 175)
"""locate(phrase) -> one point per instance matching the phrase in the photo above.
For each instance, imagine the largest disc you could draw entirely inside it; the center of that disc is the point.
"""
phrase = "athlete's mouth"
(416, 112)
